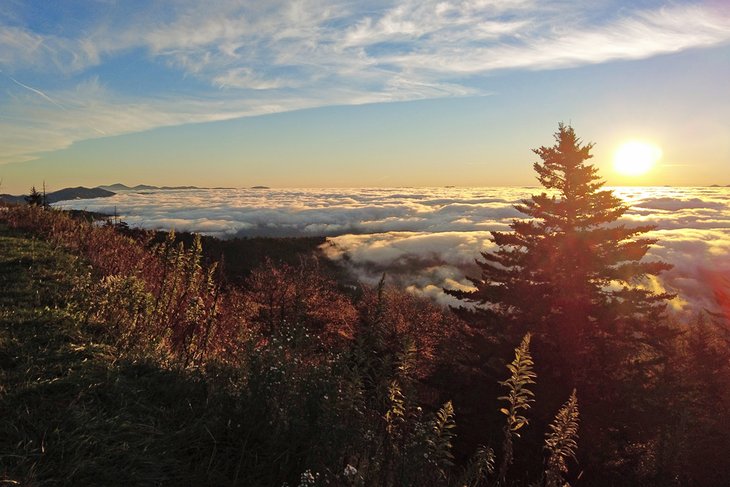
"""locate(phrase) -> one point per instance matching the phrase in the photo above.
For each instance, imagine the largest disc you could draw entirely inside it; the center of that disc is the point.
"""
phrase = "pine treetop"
(569, 258)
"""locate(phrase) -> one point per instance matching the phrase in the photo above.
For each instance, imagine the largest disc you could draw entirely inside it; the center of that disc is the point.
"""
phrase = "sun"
(634, 158)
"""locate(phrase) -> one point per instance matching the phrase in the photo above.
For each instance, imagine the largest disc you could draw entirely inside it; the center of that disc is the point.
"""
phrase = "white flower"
(307, 478)
(350, 471)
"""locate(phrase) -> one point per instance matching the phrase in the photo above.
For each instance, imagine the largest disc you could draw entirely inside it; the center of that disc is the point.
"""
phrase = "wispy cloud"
(248, 58)
(21, 48)
(547, 44)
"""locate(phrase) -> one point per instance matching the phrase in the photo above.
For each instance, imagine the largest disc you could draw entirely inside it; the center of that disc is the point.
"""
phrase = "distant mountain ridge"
(9, 198)
(103, 191)
(141, 187)
(78, 193)
(66, 194)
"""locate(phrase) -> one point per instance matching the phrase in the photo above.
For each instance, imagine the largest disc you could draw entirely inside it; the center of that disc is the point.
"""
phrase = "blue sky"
(339, 93)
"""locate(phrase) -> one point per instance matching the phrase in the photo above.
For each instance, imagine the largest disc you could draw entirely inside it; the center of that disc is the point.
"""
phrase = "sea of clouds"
(427, 238)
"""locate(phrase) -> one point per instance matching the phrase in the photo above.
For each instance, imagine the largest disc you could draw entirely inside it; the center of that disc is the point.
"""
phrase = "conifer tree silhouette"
(569, 273)
(35, 197)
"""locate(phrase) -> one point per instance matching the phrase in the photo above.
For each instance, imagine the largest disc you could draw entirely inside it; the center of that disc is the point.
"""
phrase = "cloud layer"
(428, 238)
(249, 58)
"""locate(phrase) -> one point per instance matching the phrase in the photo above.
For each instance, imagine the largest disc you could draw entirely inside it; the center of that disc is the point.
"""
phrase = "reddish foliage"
(285, 295)
(409, 317)
(108, 251)
(186, 300)
(197, 319)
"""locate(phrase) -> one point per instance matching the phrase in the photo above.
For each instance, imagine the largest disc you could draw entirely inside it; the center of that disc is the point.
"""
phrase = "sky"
(426, 239)
(330, 93)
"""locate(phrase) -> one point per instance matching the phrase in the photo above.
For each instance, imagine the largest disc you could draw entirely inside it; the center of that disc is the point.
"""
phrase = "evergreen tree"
(573, 276)
(569, 272)
(35, 198)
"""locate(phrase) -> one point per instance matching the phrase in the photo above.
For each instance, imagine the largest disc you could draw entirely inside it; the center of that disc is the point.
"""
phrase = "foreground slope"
(70, 414)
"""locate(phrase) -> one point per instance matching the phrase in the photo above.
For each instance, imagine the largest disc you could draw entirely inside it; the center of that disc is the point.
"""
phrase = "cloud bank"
(427, 238)
(237, 58)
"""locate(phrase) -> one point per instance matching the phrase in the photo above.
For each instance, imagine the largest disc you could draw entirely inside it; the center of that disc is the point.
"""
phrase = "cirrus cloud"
(241, 58)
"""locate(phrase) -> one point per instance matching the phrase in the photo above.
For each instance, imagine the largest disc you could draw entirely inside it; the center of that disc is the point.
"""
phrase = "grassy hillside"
(123, 365)
(71, 412)
(129, 361)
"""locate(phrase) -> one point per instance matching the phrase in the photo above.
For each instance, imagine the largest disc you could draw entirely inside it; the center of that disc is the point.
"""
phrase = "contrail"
(37, 92)
(45, 97)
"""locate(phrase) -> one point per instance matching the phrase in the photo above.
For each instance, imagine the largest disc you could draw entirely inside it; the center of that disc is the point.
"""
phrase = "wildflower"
(307, 478)
(350, 471)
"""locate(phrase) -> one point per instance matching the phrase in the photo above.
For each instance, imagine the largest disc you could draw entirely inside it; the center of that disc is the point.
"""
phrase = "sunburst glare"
(634, 158)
